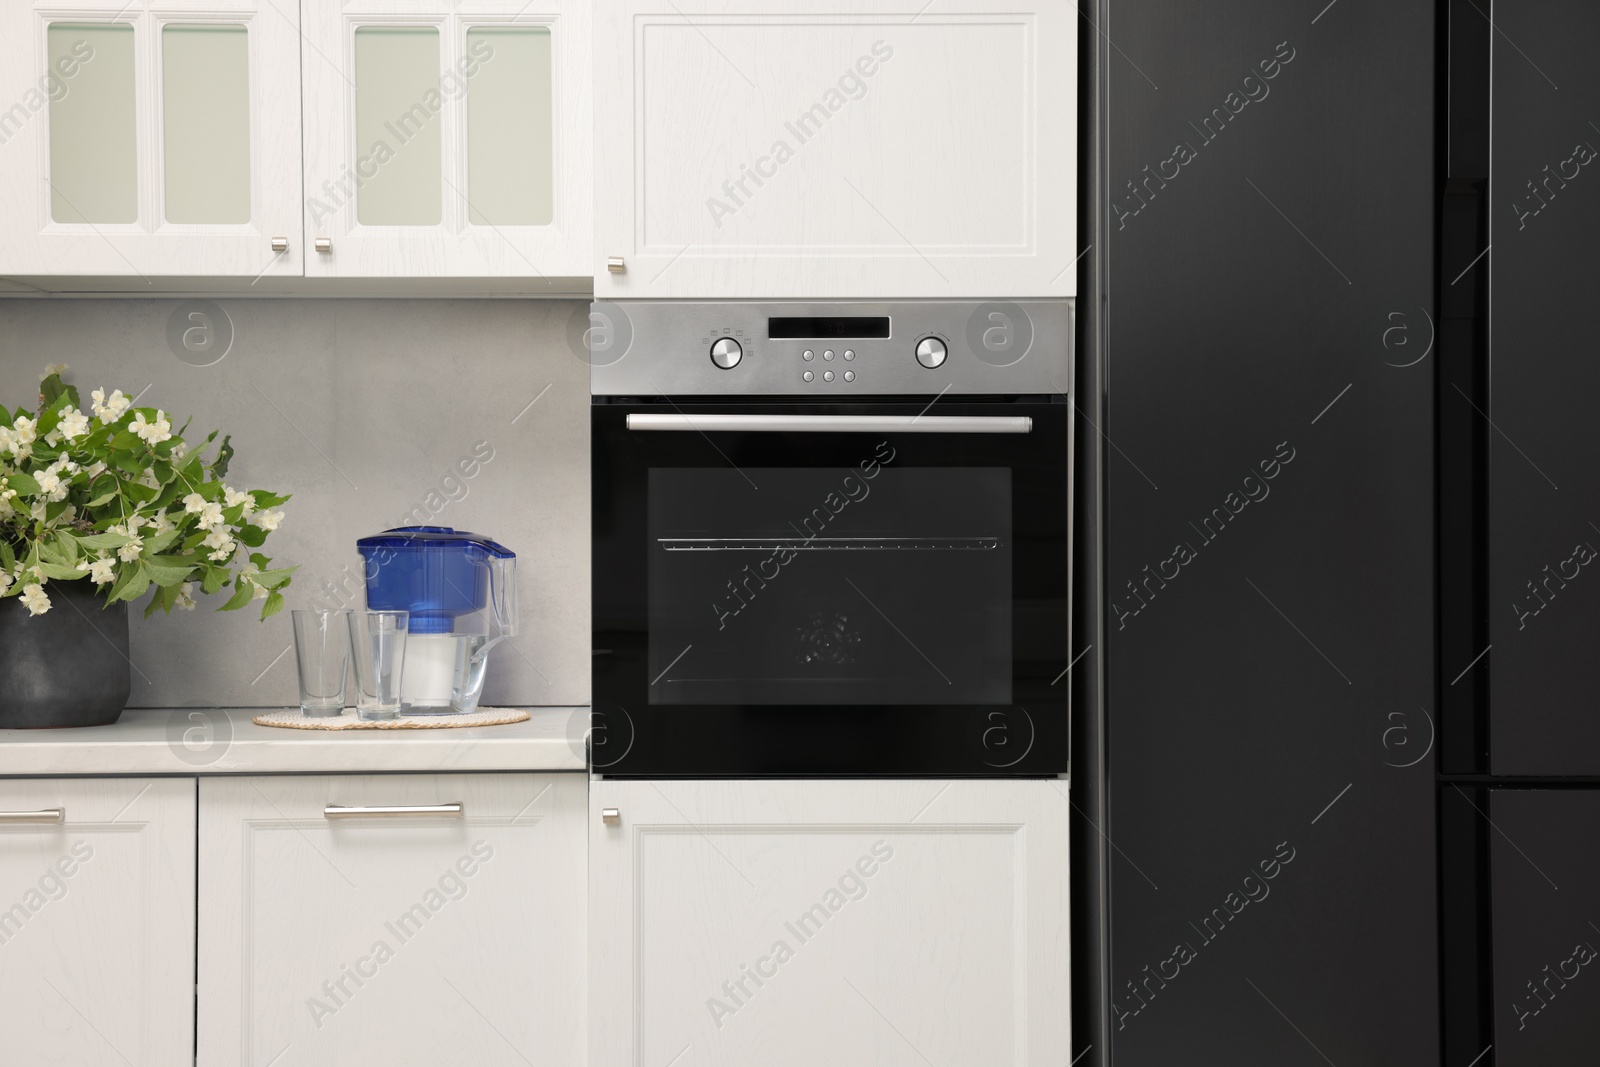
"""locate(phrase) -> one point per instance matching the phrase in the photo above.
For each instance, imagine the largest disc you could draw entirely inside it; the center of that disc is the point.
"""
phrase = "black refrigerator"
(1519, 450)
(1261, 859)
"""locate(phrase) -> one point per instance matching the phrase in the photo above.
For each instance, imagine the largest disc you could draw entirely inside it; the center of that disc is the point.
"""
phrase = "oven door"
(842, 589)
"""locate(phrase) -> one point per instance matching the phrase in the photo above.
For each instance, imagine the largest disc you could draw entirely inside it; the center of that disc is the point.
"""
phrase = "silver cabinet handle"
(55, 815)
(324, 245)
(610, 816)
(616, 265)
(280, 244)
(398, 811)
(836, 423)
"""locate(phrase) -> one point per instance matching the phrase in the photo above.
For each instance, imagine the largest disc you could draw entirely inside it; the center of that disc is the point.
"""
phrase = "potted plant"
(99, 507)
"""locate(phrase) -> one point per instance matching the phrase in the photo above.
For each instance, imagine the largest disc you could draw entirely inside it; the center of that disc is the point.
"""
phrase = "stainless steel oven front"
(831, 538)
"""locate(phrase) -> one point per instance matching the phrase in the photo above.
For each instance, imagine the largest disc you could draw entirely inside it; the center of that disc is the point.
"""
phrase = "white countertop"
(226, 741)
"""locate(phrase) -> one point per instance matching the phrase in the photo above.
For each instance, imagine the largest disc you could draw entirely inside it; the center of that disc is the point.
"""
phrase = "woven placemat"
(295, 719)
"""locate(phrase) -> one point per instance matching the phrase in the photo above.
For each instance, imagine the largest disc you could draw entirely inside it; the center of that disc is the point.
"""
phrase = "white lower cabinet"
(882, 923)
(97, 922)
(428, 937)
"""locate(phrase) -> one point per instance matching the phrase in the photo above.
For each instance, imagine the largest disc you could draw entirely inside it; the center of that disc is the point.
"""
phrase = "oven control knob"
(726, 353)
(931, 352)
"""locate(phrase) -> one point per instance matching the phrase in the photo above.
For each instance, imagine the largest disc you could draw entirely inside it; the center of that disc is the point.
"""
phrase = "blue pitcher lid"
(433, 537)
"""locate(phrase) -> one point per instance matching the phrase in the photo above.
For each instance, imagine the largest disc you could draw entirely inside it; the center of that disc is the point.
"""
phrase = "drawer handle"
(55, 815)
(399, 811)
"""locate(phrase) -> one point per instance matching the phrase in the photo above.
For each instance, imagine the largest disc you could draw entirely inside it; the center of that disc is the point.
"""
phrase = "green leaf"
(168, 570)
(5, 416)
(8, 559)
(254, 536)
(273, 605)
(215, 578)
(102, 540)
(140, 493)
(125, 462)
(130, 584)
(128, 441)
(103, 499)
(241, 596)
(160, 542)
(224, 457)
(265, 499)
(52, 389)
(23, 484)
(164, 599)
(275, 579)
(61, 572)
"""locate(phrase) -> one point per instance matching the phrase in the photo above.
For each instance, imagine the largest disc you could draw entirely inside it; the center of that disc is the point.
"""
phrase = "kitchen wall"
(368, 412)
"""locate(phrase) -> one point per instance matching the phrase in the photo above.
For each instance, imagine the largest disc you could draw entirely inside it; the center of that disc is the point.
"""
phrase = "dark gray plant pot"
(67, 667)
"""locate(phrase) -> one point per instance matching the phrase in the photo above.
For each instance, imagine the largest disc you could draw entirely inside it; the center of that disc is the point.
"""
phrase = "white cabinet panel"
(857, 923)
(97, 923)
(779, 149)
(424, 939)
(147, 141)
(447, 139)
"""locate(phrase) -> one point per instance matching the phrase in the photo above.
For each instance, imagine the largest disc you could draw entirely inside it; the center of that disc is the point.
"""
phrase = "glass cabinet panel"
(510, 174)
(205, 93)
(93, 153)
(398, 139)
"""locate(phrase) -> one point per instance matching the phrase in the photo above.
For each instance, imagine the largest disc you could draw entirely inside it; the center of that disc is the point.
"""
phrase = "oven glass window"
(865, 585)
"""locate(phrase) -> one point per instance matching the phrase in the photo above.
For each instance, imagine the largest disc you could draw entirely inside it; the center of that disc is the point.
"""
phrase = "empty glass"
(322, 649)
(378, 639)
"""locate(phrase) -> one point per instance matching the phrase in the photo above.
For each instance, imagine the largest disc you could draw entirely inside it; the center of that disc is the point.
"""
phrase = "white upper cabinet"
(848, 923)
(800, 149)
(149, 140)
(447, 139)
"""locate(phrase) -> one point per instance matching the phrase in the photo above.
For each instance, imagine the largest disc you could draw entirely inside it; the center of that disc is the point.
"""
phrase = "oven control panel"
(794, 348)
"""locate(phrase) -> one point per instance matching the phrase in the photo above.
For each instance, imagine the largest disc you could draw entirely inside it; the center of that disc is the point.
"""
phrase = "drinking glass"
(322, 650)
(378, 639)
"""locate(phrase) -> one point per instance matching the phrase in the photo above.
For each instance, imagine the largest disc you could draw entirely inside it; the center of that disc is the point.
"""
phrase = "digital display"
(827, 328)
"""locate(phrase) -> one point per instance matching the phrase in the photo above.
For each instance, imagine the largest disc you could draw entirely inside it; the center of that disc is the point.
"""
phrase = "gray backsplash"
(364, 410)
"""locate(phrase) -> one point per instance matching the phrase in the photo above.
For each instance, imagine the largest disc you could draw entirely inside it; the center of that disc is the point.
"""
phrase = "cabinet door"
(97, 931)
(448, 935)
(856, 923)
(447, 139)
(145, 141)
(898, 148)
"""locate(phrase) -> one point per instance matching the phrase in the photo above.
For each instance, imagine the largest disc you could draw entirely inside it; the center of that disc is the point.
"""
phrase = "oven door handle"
(834, 423)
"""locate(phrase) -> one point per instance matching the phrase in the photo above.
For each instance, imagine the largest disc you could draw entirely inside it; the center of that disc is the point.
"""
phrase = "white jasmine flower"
(185, 601)
(130, 551)
(210, 516)
(135, 521)
(53, 438)
(36, 512)
(119, 528)
(74, 423)
(5, 582)
(95, 469)
(49, 482)
(223, 542)
(24, 430)
(109, 411)
(163, 524)
(194, 503)
(54, 368)
(179, 450)
(269, 520)
(233, 498)
(35, 599)
(153, 433)
(8, 440)
(100, 570)
(148, 479)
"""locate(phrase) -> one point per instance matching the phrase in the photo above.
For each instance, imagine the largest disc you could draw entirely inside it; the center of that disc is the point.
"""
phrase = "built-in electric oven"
(831, 539)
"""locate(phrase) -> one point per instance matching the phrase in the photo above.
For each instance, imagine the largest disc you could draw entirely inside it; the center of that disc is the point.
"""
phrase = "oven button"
(931, 352)
(827, 375)
(726, 353)
(849, 375)
(849, 355)
(808, 376)
(808, 355)
(828, 354)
